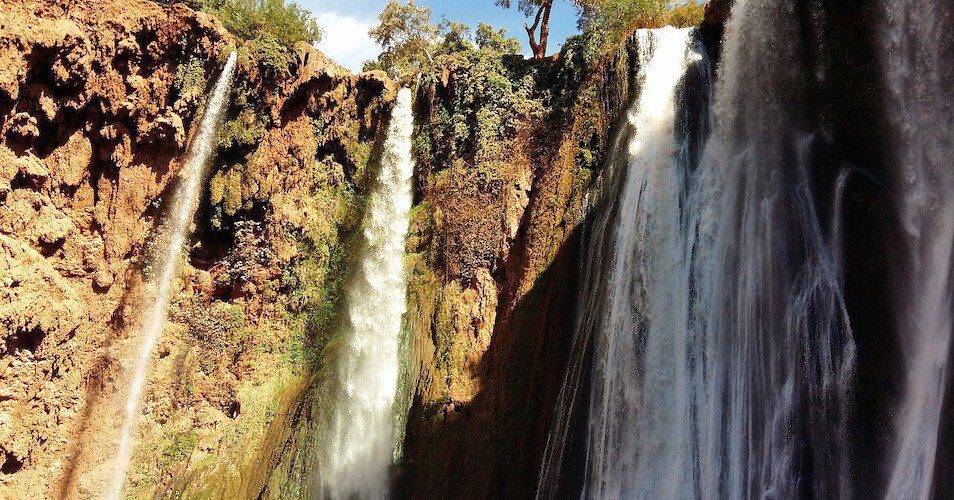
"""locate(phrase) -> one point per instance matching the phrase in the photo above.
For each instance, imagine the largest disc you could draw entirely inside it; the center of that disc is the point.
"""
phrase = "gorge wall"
(96, 110)
(97, 101)
(495, 245)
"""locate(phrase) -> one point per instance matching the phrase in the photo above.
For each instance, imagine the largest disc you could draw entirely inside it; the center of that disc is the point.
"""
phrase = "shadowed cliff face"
(97, 103)
(495, 247)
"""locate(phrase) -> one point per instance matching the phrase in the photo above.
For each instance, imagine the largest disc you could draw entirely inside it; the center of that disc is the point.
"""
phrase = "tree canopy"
(284, 22)
(413, 43)
(613, 20)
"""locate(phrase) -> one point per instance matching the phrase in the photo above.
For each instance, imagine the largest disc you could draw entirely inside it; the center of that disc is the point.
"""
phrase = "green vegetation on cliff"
(610, 22)
(266, 30)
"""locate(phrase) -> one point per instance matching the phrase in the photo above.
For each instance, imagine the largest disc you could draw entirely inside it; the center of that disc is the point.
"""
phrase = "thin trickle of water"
(359, 443)
(184, 205)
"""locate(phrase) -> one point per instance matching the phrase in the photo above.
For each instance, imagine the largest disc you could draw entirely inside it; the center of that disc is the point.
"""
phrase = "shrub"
(190, 80)
(218, 329)
(686, 15)
(180, 446)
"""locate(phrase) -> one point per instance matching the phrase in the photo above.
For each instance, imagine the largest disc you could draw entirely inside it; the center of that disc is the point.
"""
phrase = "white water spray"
(184, 205)
(638, 443)
(359, 443)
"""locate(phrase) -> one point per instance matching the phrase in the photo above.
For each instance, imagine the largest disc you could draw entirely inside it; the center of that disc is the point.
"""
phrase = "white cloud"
(346, 40)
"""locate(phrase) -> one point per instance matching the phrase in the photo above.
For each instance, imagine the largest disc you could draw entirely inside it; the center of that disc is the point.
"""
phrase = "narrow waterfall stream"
(173, 239)
(359, 443)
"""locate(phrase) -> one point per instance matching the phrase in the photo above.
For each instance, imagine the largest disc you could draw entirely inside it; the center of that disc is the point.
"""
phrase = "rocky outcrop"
(713, 24)
(97, 103)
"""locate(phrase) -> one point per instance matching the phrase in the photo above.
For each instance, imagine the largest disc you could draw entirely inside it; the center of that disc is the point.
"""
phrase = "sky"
(346, 24)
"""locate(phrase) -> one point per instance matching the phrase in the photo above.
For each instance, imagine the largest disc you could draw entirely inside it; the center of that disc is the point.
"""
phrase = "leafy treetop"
(414, 44)
(267, 29)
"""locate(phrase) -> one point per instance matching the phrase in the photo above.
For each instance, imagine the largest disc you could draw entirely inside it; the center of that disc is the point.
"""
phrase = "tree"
(495, 40)
(614, 20)
(456, 36)
(407, 35)
(413, 44)
(539, 32)
(284, 23)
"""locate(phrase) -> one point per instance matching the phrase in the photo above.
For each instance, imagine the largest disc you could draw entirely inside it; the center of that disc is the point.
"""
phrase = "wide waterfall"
(780, 354)
(166, 261)
(772, 317)
(359, 443)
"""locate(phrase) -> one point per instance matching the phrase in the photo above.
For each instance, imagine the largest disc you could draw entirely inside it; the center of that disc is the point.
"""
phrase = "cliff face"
(496, 252)
(496, 249)
(91, 131)
(97, 103)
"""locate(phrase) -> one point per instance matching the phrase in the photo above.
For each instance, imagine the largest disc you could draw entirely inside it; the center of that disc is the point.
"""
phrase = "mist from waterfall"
(172, 238)
(357, 447)
(916, 51)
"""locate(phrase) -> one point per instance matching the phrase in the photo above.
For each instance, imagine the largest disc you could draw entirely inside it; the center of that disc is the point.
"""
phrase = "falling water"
(641, 434)
(184, 205)
(720, 336)
(716, 292)
(359, 443)
(916, 61)
(780, 352)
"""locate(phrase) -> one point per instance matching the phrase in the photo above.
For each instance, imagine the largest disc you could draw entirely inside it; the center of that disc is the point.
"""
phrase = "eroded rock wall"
(97, 103)
(91, 132)
(496, 246)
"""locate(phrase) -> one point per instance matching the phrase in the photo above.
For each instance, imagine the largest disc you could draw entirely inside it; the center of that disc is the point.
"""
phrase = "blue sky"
(346, 23)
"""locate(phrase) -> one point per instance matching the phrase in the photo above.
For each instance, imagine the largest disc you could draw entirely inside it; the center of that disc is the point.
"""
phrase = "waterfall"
(780, 349)
(722, 356)
(773, 318)
(916, 60)
(641, 305)
(724, 361)
(641, 432)
(359, 442)
(176, 232)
